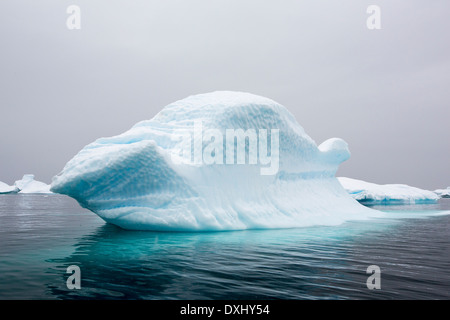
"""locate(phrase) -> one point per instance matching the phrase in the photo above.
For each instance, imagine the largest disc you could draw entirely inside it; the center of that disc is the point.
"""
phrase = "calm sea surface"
(42, 235)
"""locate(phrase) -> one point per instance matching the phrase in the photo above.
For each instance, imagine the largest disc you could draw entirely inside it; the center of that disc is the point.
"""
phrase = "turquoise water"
(42, 235)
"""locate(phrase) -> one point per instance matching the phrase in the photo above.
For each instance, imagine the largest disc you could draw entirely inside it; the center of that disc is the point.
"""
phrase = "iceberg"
(443, 193)
(196, 167)
(28, 185)
(5, 188)
(371, 193)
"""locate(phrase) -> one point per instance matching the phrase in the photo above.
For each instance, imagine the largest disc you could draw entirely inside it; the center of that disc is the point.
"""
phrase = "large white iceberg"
(5, 188)
(371, 193)
(141, 180)
(28, 185)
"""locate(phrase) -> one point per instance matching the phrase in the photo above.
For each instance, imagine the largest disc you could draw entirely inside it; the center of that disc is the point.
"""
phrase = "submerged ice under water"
(42, 235)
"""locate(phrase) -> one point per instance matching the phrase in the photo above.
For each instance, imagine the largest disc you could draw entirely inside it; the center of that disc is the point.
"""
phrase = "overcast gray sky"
(386, 92)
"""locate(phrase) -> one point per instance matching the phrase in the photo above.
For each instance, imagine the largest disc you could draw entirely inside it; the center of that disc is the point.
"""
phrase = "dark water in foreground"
(42, 235)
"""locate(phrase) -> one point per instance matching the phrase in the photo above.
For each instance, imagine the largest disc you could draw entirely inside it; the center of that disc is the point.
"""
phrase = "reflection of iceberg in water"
(313, 262)
(272, 264)
(132, 181)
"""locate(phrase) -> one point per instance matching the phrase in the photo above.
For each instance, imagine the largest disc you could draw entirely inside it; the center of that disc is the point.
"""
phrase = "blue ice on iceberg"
(136, 181)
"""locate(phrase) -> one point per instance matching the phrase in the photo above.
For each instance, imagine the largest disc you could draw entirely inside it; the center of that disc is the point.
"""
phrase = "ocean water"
(42, 235)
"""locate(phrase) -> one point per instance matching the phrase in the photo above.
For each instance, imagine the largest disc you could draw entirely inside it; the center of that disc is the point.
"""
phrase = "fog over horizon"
(385, 92)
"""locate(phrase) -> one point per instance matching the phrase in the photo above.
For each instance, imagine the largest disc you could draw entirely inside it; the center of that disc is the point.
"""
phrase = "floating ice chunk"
(371, 193)
(136, 181)
(443, 193)
(5, 188)
(28, 185)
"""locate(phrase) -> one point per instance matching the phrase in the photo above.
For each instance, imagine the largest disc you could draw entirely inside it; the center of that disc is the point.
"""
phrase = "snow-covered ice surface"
(132, 181)
(28, 185)
(371, 193)
(5, 188)
(443, 193)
